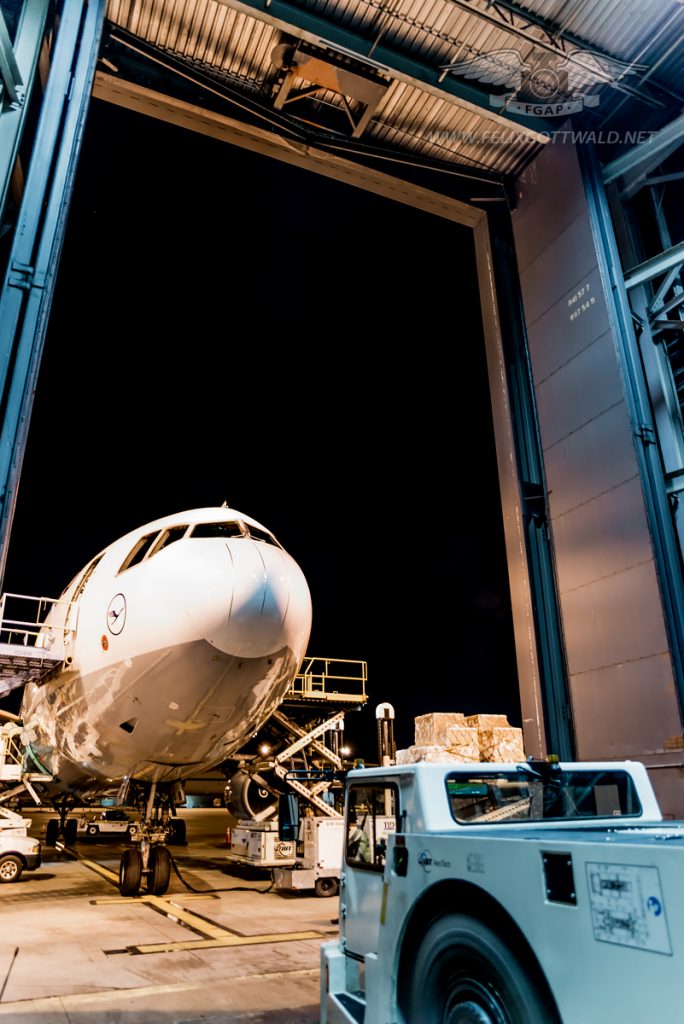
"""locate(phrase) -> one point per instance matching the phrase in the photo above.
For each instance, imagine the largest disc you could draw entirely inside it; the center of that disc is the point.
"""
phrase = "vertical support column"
(541, 669)
(28, 286)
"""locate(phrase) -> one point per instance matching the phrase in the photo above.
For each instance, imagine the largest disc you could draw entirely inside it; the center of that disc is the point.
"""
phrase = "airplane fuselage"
(185, 635)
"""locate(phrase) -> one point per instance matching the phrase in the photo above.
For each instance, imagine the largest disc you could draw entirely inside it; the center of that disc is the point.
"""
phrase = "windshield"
(549, 795)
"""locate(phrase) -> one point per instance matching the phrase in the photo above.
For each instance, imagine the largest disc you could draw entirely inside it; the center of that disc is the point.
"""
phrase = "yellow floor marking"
(111, 876)
(198, 924)
(227, 940)
(104, 900)
(214, 936)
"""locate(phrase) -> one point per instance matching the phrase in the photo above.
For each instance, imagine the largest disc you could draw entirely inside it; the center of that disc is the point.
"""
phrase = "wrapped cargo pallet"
(431, 754)
(431, 730)
(501, 744)
(464, 741)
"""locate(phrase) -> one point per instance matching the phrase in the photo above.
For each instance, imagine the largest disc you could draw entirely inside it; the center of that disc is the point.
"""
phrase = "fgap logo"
(553, 85)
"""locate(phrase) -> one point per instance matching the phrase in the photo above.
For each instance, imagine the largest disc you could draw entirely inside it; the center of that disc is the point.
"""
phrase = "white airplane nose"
(247, 598)
(269, 606)
(261, 598)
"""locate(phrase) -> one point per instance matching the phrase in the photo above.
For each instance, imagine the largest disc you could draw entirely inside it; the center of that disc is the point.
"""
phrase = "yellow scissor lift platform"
(329, 682)
(298, 756)
(316, 703)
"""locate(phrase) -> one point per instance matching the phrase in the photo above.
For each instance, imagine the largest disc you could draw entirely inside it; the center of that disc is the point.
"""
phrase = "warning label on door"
(627, 906)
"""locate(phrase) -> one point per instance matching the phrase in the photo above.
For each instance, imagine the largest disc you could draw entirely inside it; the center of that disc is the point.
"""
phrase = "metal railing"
(11, 753)
(22, 621)
(331, 679)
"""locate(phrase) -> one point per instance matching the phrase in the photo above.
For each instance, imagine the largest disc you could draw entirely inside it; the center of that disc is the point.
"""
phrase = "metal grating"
(236, 46)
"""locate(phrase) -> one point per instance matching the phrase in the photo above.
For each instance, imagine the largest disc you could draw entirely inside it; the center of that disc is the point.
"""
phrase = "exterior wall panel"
(622, 689)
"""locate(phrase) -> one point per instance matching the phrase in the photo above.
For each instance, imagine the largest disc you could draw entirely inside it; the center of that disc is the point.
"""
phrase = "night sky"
(226, 327)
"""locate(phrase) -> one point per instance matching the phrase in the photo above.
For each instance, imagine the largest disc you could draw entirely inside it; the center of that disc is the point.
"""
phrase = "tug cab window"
(141, 548)
(217, 530)
(530, 795)
(371, 815)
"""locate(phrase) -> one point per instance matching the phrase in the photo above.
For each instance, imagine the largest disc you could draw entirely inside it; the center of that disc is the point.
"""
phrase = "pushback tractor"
(532, 893)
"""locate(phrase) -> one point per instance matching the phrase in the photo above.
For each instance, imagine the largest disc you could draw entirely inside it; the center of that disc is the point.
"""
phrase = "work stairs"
(19, 767)
(323, 691)
(36, 634)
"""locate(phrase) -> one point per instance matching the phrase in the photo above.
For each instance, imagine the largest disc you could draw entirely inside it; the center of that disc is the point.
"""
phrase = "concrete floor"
(73, 952)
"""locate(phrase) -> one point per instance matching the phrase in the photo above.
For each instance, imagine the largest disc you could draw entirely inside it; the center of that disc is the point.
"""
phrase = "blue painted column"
(32, 267)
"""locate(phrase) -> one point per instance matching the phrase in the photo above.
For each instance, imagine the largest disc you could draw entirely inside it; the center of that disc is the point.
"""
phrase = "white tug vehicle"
(529, 893)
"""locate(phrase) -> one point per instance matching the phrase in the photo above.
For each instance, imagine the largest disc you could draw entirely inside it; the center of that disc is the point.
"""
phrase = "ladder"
(19, 766)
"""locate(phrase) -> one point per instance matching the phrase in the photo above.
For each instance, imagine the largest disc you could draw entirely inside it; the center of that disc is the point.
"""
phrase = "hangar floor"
(72, 951)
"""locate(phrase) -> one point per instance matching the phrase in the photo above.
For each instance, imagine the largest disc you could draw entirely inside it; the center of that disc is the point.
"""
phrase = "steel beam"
(291, 19)
(657, 265)
(268, 143)
(637, 162)
(554, 43)
(26, 50)
(32, 266)
(9, 69)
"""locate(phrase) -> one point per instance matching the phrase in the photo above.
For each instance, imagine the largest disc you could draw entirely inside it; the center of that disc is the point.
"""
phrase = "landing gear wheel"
(10, 869)
(52, 832)
(93, 830)
(130, 873)
(327, 886)
(70, 831)
(179, 833)
(160, 871)
(463, 973)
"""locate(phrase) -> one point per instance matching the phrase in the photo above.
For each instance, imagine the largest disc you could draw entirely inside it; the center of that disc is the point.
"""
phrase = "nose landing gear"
(149, 859)
(153, 863)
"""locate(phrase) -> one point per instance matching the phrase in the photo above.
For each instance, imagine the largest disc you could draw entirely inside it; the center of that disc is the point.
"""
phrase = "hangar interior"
(553, 131)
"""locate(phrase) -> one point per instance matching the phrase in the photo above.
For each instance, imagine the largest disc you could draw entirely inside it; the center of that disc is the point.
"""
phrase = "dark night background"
(226, 327)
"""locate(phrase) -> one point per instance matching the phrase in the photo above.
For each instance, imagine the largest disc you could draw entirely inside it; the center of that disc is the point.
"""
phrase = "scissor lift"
(304, 754)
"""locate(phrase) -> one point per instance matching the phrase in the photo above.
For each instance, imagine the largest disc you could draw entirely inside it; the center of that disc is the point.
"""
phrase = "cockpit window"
(168, 537)
(257, 534)
(141, 548)
(217, 530)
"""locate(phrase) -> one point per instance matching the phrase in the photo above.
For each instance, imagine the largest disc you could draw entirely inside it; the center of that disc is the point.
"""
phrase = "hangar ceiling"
(446, 84)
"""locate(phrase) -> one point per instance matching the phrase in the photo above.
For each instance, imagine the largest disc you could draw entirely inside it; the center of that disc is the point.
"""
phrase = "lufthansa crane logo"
(116, 614)
(556, 85)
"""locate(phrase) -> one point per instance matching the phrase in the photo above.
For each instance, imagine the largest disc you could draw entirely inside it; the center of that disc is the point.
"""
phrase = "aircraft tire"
(52, 832)
(160, 871)
(465, 974)
(130, 873)
(70, 831)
